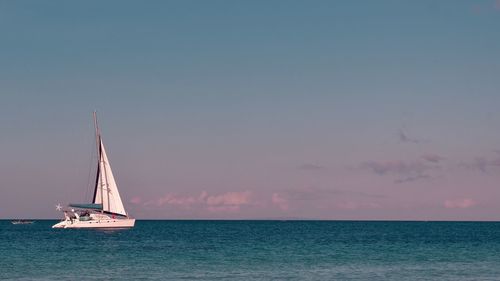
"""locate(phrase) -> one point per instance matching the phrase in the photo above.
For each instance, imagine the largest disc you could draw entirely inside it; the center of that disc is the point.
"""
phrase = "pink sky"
(246, 110)
(428, 188)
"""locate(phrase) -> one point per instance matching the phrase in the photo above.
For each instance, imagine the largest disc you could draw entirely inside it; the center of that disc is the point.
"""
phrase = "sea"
(253, 250)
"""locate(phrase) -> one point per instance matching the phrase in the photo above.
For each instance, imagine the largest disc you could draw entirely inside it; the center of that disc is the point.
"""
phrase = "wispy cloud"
(136, 200)
(178, 200)
(404, 171)
(311, 167)
(482, 164)
(434, 158)
(459, 203)
(404, 138)
(229, 201)
(412, 178)
(396, 167)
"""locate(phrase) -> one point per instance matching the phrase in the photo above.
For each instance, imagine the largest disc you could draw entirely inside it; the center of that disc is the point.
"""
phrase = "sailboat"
(22, 222)
(106, 209)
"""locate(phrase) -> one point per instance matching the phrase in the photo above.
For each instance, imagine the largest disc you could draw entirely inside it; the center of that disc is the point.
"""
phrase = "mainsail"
(106, 191)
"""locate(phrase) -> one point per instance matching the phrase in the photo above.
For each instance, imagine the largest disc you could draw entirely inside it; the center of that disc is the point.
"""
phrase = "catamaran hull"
(111, 223)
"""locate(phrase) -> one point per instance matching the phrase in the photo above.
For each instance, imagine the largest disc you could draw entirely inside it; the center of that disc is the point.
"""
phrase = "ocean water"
(254, 250)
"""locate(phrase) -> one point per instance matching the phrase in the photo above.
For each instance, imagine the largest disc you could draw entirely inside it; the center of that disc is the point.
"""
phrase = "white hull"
(105, 223)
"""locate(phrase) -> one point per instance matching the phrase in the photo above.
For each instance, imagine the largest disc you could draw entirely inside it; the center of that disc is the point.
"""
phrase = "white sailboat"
(106, 209)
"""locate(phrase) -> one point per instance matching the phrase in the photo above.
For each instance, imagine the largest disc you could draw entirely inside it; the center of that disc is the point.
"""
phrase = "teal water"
(253, 250)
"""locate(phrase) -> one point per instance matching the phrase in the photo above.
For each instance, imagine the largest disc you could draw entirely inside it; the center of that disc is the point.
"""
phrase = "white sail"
(106, 192)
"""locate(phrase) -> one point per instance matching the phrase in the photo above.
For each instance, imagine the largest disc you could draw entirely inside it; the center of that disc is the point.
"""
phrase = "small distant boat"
(106, 209)
(22, 222)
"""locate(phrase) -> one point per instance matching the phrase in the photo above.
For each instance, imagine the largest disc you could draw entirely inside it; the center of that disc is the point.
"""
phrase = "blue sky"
(254, 109)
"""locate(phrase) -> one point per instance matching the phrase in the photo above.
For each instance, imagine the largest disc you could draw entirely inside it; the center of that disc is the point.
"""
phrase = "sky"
(342, 110)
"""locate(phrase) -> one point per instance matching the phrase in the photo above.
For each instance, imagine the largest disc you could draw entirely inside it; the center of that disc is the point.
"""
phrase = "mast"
(97, 136)
(99, 159)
